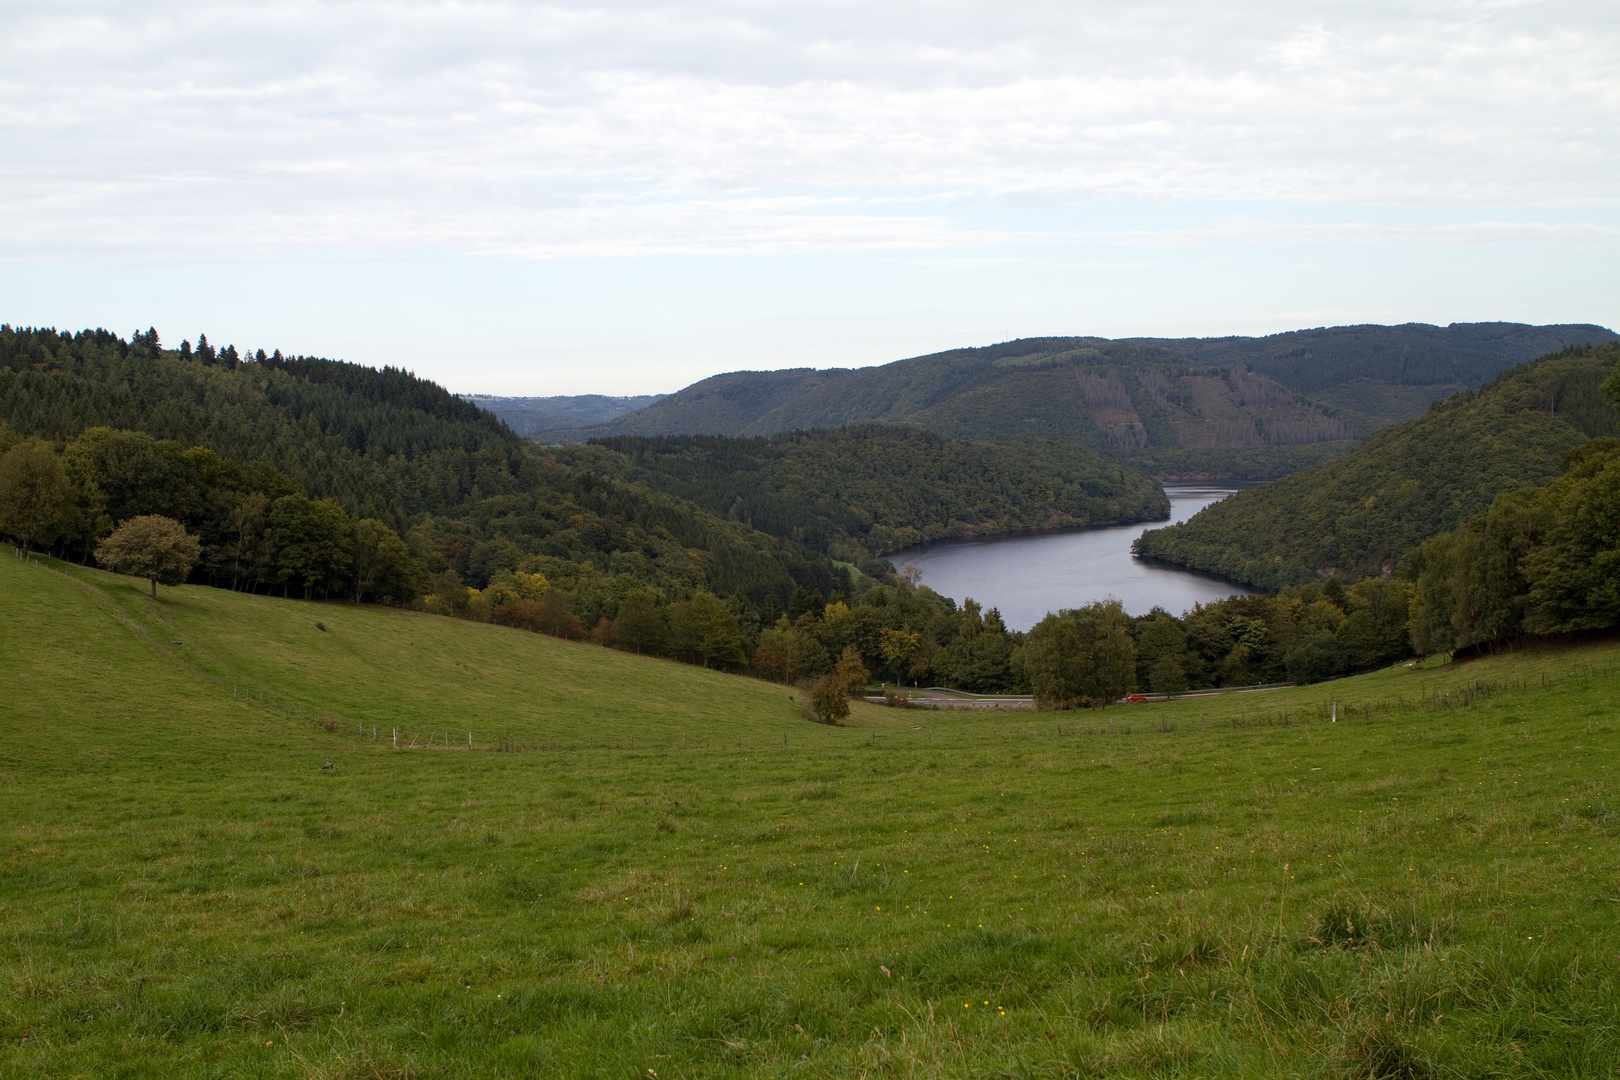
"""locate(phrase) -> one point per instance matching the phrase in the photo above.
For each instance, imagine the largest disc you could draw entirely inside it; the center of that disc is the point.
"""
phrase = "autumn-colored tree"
(903, 648)
(150, 546)
(830, 694)
(828, 699)
(850, 672)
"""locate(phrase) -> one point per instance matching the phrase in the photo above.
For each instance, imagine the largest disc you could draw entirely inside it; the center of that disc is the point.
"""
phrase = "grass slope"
(1226, 886)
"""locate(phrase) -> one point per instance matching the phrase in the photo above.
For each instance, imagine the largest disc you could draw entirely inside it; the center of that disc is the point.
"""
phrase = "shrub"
(829, 699)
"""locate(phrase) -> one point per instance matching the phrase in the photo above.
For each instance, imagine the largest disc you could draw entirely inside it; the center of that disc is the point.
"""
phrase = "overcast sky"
(626, 197)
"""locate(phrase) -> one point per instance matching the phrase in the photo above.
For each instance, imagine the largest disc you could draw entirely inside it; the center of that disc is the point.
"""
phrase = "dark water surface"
(1029, 575)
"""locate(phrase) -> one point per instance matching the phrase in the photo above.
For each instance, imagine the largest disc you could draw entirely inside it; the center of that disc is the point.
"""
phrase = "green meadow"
(639, 868)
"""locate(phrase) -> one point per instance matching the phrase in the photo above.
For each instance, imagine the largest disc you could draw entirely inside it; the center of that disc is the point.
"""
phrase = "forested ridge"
(869, 489)
(315, 478)
(191, 433)
(1360, 515)
(1209, 407)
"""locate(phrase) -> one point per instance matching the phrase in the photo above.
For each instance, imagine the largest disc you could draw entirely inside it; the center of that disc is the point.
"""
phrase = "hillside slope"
(111, 649)
(870, 489)
(1358, 516)
(470, 497)
(1249, 406)
(666, 873)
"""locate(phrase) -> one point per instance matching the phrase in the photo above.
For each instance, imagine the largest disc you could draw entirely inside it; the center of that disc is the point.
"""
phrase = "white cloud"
(566, 129)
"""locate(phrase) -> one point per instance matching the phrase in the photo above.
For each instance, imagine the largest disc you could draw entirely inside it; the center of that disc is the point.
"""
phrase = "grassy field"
(671, 874)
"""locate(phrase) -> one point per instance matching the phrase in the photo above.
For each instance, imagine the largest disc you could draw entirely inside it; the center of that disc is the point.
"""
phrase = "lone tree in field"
(36, 497)
(150, 546)
(1082, 658)
(830, 694)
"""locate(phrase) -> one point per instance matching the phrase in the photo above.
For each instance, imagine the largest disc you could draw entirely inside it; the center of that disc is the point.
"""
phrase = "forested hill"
(1360, 515)
(200, 434)
(869, 489)
(1179, 407)
(529, 415)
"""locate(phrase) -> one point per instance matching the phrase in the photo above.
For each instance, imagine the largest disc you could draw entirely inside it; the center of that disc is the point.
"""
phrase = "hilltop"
(1179, 407)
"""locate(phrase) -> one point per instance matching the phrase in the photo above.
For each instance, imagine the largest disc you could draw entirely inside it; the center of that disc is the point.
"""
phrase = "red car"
(1137, 697)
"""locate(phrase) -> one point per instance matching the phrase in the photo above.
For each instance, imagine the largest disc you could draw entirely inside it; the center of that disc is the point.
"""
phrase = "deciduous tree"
(381, 562)
(36, 497)
(639, 625)
(1083, 657)
(150, 546)
(850, 673)
(704, 627)
(311, 542)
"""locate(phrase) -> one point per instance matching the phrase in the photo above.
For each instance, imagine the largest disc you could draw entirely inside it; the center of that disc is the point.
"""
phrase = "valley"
(450, 754)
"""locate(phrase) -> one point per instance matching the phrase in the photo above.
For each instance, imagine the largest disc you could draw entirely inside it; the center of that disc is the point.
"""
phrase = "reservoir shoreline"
(1028, 573)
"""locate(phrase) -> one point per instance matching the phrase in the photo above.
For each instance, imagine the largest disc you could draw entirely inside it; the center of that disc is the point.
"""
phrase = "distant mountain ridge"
(528, 415)
(1177, 406)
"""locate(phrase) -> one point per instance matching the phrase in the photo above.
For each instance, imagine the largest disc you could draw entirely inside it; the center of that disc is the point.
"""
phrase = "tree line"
(253, 529)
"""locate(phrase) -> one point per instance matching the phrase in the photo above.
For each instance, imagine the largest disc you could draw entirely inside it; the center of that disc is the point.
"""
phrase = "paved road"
(934, 698)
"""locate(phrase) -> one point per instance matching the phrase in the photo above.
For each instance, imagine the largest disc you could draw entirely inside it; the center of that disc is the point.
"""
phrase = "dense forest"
(317, 479)
(1360, 515)
(1540, 560)
(246, 452)
(869, 489)
(323, 480)
(1197, 407)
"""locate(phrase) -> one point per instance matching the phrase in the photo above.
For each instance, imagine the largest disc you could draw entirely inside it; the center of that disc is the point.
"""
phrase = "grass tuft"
(1357, 924)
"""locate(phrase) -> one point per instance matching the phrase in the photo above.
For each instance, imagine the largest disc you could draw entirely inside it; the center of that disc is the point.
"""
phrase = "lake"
(1029, 574)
